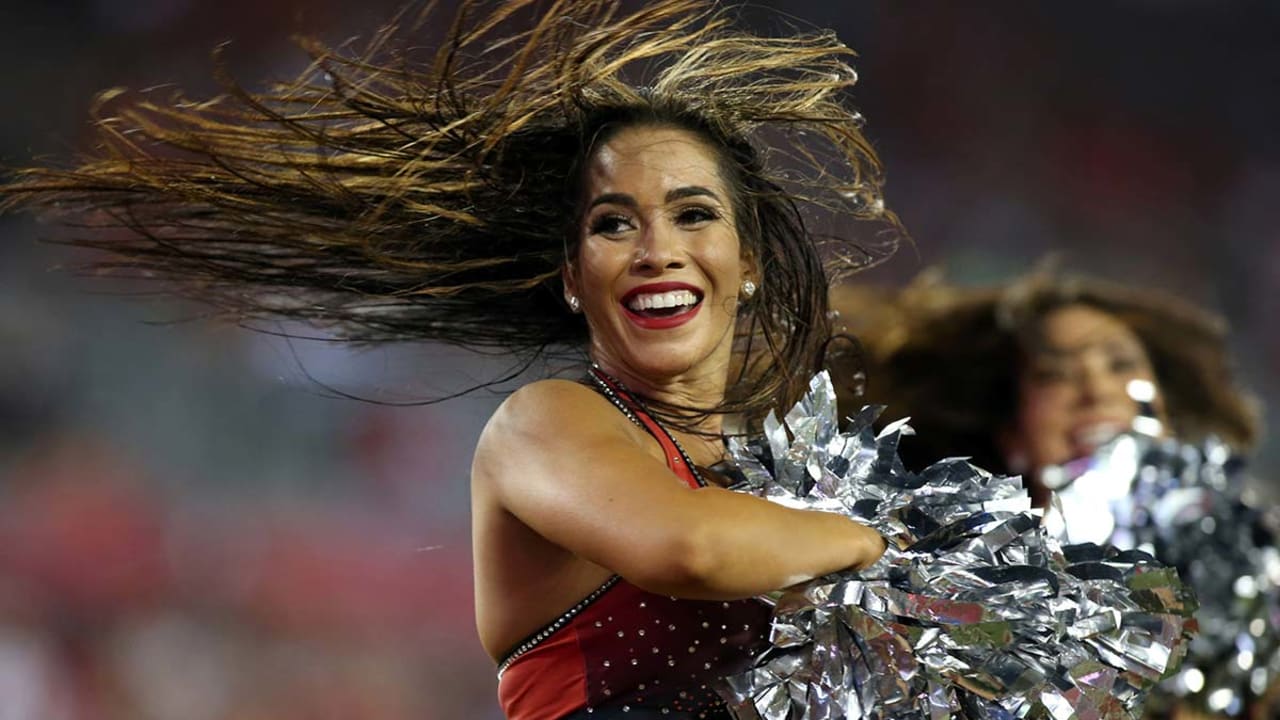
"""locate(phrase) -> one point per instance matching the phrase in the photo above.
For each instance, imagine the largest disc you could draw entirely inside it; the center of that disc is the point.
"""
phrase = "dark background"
(190, 528)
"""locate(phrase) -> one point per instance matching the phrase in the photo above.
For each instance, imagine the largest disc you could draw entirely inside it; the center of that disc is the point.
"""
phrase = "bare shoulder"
(543, 405)
(551, 395)
(550, 416)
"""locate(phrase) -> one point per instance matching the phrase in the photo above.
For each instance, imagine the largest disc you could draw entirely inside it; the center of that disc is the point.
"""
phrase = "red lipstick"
(661, 322)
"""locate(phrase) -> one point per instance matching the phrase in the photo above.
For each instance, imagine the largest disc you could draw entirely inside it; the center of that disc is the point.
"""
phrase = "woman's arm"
(566, 463)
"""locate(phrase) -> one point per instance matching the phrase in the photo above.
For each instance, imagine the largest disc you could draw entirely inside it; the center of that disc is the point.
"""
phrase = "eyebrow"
(1117, 345)
(672, 195)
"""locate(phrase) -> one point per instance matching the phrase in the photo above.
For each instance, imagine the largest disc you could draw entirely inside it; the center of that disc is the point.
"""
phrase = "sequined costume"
(626, 653)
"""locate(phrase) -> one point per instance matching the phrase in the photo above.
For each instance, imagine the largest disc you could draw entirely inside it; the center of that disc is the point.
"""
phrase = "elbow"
(687, 564)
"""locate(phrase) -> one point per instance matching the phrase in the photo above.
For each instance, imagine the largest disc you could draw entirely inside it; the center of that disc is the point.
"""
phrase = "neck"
(685, 391)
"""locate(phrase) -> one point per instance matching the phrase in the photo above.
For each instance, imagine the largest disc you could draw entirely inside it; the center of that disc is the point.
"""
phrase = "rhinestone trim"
(546, 631)
(606, 384)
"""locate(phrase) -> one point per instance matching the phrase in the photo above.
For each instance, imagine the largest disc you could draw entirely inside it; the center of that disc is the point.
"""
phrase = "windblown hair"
(394, 194)
(950, 357)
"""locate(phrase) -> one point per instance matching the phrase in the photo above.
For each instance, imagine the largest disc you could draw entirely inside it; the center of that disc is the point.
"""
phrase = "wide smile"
(1089, 436)
(659, 306)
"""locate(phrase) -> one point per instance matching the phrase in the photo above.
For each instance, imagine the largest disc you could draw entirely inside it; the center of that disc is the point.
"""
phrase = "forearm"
(738, 545)
(592, 489)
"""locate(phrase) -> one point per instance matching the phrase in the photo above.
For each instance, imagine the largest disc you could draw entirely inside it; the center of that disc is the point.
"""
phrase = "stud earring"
(748, 288)
(574, 303)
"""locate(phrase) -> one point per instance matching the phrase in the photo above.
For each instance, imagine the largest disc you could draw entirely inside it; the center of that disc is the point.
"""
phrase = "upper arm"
(568, 465)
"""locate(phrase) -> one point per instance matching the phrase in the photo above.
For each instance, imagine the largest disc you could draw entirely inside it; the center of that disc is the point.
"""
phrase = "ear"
(569, 276)
(749, 267)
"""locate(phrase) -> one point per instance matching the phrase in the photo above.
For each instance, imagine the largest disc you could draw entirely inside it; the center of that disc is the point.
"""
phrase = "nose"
(658, 248)
(1098, 383)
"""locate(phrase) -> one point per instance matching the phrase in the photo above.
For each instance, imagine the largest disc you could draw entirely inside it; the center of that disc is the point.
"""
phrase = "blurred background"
(192, 526)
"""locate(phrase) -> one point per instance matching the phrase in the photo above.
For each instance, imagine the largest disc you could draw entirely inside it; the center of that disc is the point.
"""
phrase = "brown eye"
(1047, 374)
(1125, 365)
(611, 225)
(696, 215)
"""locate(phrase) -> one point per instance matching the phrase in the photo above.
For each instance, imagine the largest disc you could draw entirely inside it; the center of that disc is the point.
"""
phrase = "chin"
(661, 361)
(660, 358)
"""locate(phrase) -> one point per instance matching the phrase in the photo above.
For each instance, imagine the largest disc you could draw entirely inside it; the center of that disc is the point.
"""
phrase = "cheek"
(600, 263)
(731, 276)
(1043, 413)
(722, 254)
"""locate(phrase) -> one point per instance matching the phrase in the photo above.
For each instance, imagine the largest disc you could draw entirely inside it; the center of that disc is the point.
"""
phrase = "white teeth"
(657, 301)
(1097, 434)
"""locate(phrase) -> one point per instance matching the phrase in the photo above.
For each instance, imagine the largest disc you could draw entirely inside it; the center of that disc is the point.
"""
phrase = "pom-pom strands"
(390, 196)
(1186, 504)
(974, 611)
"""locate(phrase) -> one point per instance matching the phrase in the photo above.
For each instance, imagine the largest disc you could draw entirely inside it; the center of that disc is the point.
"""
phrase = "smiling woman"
(1044, 369)
(660, 266)
(1075, 388)
(635, 185)
(1119, 407)
(604, 526)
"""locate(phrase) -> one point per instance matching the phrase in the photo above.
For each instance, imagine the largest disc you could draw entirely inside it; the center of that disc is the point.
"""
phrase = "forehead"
(644, 161)
(1077, 328)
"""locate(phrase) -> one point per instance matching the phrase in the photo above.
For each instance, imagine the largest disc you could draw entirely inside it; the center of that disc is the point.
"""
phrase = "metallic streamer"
(1187, 504)
(973, 612)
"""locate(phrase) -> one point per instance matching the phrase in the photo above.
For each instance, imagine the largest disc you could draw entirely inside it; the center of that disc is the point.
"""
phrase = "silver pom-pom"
(973, 612)
(1186, 505)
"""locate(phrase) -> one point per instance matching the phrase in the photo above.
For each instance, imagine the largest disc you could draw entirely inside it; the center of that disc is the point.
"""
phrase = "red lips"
(650, 322)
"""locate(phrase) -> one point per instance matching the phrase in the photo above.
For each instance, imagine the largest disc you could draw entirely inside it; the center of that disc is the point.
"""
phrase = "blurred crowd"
(233, 580)
(194, 525)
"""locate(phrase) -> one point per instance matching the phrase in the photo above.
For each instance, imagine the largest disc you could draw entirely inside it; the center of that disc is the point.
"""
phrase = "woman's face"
(659, 265)
(1075, 388)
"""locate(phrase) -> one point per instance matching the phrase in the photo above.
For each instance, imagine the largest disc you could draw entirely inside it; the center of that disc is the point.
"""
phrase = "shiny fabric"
(617, 713)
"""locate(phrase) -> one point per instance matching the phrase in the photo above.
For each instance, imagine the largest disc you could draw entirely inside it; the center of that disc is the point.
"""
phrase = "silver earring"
(748, 288)
(574, 303)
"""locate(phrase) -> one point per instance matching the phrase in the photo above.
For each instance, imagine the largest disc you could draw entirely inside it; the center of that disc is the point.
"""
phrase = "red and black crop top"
(626, 653)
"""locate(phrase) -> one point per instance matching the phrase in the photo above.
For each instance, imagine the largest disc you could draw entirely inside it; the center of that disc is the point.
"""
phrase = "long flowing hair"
(949, 357)
(396, 193)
